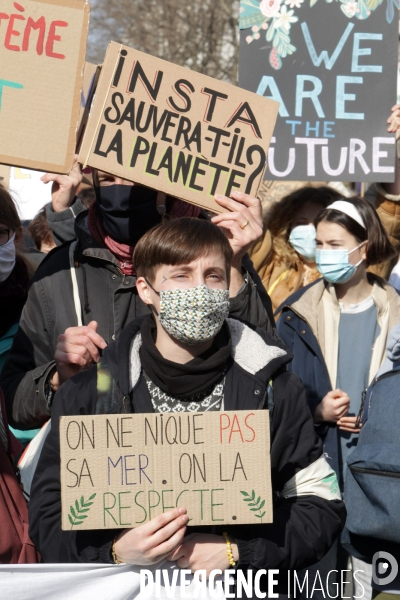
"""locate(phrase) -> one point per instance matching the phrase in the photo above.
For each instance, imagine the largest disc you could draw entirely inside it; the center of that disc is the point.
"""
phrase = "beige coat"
(320, 308)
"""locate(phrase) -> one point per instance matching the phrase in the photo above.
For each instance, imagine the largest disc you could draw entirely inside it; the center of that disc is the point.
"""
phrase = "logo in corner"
(384, 568)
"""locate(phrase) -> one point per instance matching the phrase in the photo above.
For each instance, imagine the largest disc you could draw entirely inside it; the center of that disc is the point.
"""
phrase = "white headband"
(348, 209)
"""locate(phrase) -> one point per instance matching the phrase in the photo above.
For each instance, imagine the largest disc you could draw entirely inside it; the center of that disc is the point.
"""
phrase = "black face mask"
(126, 212)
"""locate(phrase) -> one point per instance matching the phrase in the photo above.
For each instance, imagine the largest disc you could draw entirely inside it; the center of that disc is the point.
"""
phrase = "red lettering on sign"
(38, 25)
(237, 430)
(31, 24)
(12, 32)
(248, 426)
(52, 37)
(221, 429)
(234, 426)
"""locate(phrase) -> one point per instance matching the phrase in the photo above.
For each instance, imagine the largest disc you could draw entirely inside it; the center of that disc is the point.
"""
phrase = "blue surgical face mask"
(334, 265)
(302, 238)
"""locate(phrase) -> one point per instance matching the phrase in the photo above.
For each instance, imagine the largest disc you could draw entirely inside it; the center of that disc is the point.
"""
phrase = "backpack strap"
(110, 399)
(75, 289)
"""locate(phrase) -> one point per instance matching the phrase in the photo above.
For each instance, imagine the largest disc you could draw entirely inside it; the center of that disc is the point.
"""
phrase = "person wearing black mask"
(84, 292)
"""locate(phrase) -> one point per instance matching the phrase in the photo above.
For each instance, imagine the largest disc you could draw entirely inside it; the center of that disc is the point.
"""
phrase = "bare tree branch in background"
(200, 34)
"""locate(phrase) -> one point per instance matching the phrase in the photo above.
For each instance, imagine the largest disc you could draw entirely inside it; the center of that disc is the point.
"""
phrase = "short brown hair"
(179, 242)
(40, 230)
(379, 248)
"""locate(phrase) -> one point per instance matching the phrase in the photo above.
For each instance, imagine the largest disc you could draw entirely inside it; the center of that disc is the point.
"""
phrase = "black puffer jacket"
(304, 527)
(106, 296)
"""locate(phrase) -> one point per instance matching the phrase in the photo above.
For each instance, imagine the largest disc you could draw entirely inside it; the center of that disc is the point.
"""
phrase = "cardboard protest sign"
(176, 130)
(333, 68)
(42, 50)
(89, 74)
(4, 175)
(123, 470)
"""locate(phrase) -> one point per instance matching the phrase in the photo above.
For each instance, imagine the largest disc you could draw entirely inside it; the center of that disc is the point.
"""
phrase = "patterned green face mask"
(193, 315)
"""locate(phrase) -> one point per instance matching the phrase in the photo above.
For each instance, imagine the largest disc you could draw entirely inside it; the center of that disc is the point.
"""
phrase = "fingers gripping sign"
(64, 187)
(153, 541)
(203, 551)
(394, 121)
(242, 223)
(78, 348)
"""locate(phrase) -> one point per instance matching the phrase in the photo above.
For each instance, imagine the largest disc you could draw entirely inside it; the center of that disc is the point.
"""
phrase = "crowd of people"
(290, 311)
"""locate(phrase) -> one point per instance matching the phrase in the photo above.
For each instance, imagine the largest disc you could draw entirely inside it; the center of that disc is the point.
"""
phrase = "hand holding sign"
(77, 348)
(243, 223)
(64, 187)
(394, 121)
(150, 543)
(203, 551)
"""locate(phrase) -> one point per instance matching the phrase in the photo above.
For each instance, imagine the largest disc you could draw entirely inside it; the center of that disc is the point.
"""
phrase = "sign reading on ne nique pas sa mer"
(121, 471)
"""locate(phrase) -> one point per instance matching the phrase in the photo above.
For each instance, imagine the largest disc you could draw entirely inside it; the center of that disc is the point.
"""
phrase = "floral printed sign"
(332, 65)
(275, 17)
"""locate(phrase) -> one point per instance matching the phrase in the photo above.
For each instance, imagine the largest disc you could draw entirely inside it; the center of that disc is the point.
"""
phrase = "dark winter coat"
(304, 527)
(107, 296)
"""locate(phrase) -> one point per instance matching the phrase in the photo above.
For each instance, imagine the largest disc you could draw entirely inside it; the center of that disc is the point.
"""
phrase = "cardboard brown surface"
(42, 54)
(89, 74)
(123, 470)
(5, 175)
(175, 130)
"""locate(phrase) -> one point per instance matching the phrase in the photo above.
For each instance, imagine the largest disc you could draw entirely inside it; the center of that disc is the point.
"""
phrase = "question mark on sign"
(260, 167)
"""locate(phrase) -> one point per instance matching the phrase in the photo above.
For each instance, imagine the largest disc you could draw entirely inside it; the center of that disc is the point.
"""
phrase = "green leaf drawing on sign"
(76, 516)
(256, 502)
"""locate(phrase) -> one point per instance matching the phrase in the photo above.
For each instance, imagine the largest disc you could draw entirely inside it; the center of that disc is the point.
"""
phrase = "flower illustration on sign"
(294, 3)
(276, 19)
(285, 19)
(349, 7)
(269, 8)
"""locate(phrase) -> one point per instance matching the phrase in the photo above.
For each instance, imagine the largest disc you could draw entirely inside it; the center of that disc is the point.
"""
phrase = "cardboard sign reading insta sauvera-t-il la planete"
(170, 128)
(123, 470)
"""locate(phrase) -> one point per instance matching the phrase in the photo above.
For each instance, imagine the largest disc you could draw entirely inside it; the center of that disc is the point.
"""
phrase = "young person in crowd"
(84, 292)
(188, 360)
(41, 233)
(337, 328)
(15, 273)
(285, 256)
